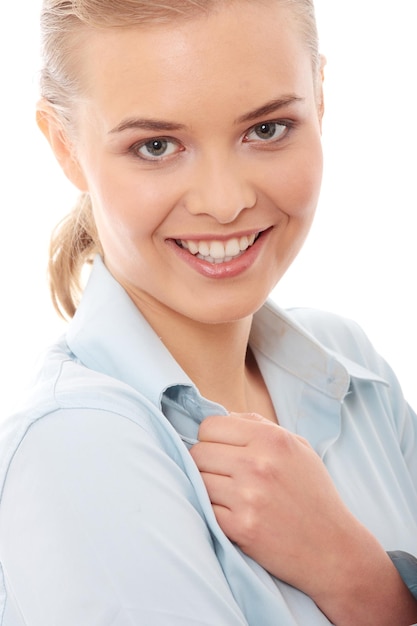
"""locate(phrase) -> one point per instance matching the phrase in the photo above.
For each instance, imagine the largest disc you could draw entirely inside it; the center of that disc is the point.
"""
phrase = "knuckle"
(249, 526)
(305, 442)
(260, 467)
(283, 441)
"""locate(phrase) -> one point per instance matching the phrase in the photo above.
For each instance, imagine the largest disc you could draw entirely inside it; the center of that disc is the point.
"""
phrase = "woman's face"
(199, 142)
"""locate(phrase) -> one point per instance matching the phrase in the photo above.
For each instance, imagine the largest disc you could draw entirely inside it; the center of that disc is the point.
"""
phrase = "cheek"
(303, 182)
(294, 183)
(126, 209)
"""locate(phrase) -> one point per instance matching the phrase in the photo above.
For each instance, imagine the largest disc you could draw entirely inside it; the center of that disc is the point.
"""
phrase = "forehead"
(229, 60)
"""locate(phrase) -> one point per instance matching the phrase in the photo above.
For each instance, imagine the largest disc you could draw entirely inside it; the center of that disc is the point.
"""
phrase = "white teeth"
(192, 247)
(204, 248)
(218, 251)
(232, 247)
(243, 243)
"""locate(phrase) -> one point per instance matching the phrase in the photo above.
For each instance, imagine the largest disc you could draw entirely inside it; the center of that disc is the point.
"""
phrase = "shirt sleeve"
(404, 418)
(406, 565)
(99, 527)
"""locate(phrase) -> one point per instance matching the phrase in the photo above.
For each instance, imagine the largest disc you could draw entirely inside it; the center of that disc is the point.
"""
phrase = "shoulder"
(64, 383)
(69, 397)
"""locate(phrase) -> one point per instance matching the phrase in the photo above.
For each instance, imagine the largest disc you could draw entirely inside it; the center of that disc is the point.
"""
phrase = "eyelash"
(149, 142)
(286, 125)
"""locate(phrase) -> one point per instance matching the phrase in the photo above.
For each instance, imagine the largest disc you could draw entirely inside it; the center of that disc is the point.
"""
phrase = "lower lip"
(229, 269)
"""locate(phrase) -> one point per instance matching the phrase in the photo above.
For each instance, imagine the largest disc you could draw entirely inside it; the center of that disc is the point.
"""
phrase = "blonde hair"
(75, 241)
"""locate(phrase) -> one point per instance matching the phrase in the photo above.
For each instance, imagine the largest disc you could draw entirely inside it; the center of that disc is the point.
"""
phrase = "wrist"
(367, 589)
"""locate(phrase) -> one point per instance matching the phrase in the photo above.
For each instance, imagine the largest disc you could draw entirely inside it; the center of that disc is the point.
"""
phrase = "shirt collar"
(280, 338)
(109, 335)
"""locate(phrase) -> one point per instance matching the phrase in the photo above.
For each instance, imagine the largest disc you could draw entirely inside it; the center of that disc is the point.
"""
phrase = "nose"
(221, 188)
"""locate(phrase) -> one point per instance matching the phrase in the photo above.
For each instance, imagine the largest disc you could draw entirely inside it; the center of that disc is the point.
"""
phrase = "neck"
(214, 356)
(220, 367)
(217, 359)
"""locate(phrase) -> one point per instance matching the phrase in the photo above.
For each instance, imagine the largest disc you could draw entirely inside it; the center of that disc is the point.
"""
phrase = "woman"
(190, 454)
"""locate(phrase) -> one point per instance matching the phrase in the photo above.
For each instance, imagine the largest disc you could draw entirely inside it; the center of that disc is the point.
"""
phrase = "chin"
(227, 312)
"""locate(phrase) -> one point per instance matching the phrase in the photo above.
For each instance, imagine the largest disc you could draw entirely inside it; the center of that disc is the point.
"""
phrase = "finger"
(230, 521)
(253, 417)
(226, 520)
(217, 458)
(221, 489)
(256, 417)
(233, 429)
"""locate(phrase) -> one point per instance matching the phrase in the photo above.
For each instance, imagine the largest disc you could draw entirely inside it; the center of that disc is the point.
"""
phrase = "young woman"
(191, 454)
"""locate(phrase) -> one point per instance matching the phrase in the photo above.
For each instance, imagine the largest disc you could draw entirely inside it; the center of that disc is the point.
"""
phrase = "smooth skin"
(210, 130)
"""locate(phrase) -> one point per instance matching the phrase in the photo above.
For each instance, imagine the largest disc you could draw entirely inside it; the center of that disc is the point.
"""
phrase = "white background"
(361, 258)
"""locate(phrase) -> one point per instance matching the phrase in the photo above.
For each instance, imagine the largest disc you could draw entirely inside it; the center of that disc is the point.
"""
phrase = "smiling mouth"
(216, 251)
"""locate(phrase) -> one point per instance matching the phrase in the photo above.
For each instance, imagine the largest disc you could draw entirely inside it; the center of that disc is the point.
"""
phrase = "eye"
(156, 149)
(268, 131)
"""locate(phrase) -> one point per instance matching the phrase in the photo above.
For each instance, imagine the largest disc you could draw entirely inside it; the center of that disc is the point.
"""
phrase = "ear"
(63, 148)
(320, 94)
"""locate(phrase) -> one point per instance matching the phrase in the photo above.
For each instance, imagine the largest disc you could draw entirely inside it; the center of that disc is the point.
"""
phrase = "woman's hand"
(273, 497)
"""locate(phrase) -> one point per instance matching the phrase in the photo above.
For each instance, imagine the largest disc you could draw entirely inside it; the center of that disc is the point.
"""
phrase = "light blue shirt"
(104, 518)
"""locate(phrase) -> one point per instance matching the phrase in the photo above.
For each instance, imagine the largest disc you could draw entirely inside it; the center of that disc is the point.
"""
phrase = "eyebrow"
(269, 107)
(146, 124)
(150, 124)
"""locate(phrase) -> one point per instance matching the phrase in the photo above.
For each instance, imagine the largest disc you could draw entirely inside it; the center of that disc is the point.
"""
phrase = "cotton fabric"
(104, 517)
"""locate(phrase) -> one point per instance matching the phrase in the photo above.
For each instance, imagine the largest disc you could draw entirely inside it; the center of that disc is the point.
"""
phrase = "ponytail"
(74, 243)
